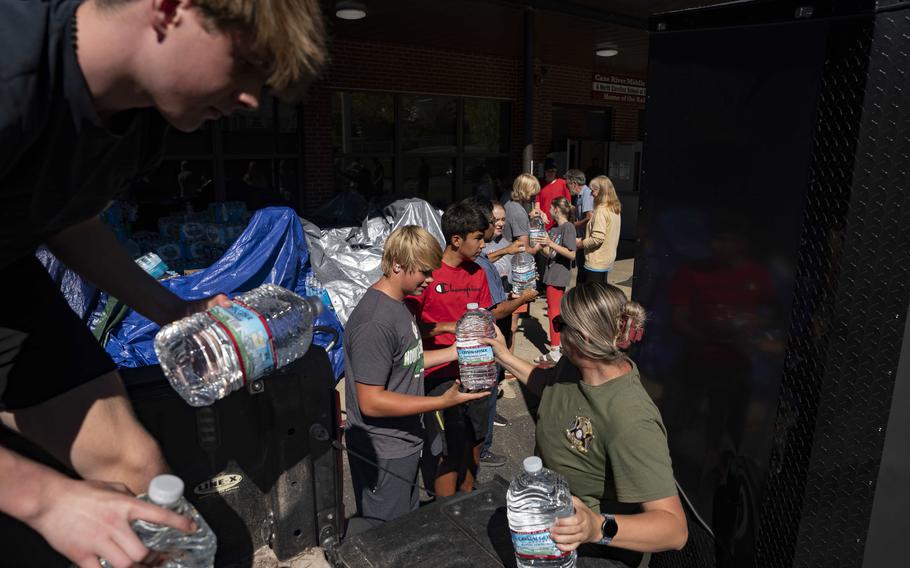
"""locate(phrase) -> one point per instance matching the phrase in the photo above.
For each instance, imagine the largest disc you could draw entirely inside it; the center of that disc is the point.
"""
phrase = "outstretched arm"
(529, 375)
(432, 329)
(558, 249)
(513, 248)
(506, 307)
(90, 249)
(376, 401)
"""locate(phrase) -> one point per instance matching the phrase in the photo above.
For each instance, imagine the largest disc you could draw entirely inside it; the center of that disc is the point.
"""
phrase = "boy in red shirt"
(550, 188)
(454, 435)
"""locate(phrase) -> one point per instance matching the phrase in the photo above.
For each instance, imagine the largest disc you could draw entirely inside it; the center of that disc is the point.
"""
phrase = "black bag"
(259, 464)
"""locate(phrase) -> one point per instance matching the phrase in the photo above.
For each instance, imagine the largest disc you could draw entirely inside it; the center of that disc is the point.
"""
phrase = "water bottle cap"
(165, 489)
(532, 464)
(473, 306)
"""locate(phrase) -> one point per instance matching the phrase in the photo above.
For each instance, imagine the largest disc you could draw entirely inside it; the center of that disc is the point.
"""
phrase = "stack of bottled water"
(179, 550)
(524, 272)
(536, 498)
(476, 365)
(208, 355)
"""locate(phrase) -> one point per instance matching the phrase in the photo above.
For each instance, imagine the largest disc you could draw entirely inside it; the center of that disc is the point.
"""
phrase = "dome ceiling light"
(350, 10)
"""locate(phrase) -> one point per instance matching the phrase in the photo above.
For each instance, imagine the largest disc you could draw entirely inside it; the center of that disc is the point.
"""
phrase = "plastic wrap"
(415, 212)
(272, 249)
(81, 295)
(346, 259)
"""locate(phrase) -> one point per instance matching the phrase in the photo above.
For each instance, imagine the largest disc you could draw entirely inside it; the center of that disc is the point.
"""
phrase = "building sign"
(618, 89)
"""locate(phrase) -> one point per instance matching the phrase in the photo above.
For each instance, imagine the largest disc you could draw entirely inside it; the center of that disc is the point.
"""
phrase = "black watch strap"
(608, 529)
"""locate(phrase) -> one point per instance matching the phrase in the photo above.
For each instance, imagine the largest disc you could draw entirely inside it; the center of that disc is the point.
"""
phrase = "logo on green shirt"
(580, 434)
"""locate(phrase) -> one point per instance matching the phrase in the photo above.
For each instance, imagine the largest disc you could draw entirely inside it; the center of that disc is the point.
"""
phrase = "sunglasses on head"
(559, 324)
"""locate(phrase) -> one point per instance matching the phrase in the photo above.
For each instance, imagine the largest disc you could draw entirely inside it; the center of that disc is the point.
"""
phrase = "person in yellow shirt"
(601, 232)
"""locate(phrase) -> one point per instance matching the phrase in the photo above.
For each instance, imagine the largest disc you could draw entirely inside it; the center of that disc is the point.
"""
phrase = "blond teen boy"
(87, 90)
(384, 382)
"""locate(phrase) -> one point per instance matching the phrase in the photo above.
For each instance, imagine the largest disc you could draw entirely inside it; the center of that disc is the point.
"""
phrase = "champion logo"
(443, 288)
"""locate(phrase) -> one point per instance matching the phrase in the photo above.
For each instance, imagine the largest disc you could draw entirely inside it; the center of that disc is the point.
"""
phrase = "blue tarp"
(272, 249)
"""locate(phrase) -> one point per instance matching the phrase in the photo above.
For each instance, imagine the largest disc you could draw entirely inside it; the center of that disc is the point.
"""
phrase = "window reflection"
(371, 177)
(428, 124)
(489, 178)
(427, 160)
(485, 126)
(432, 179)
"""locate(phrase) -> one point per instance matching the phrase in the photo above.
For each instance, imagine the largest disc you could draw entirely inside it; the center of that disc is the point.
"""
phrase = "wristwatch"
(608, 529)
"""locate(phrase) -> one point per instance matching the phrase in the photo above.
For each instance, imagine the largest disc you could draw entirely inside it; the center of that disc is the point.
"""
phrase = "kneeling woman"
(599, 428)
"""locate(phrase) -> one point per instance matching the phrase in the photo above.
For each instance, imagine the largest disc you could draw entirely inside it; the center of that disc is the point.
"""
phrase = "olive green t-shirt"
(608, 441)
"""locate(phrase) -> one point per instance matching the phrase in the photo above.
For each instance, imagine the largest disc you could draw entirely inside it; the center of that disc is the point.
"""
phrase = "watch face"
(609, 527)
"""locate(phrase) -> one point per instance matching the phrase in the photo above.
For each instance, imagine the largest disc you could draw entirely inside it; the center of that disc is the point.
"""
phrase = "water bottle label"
(536, 545)
(251, 338)
(473, 352)
(535, 234)
(524, 277)
(152, 264)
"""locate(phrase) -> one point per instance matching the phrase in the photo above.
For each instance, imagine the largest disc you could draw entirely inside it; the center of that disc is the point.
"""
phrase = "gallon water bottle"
(536, 498)
(476, 365)
(177, 548)
(524, 272)
(536, 230)
(208, 355)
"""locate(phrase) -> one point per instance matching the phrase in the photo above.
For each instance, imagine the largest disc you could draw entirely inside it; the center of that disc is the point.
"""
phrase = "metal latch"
(255, 387)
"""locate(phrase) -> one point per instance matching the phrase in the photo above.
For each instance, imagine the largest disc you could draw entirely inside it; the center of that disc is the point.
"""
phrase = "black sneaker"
(500, 420)
(492, 460)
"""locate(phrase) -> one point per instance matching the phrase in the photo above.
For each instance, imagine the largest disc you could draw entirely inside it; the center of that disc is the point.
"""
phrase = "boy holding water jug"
(384, 382)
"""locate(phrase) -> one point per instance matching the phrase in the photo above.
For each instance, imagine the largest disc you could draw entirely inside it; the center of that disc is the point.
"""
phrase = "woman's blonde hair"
(606, 194)
(524, 188)
(287, 34)
(598, 320)
(413, 247)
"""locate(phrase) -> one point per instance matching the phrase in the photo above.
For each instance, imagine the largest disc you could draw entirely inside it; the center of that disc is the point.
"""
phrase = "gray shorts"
(380, 496)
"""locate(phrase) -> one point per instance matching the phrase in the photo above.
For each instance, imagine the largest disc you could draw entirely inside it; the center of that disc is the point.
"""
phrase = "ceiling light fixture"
(606, 50)
(350, 10)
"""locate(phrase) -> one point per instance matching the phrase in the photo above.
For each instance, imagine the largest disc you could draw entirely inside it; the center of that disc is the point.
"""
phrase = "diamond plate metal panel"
(818, 280)
(864, 322)
(848, 315)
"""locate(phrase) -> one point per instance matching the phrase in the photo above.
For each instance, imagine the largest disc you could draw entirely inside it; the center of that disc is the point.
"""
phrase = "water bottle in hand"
(536, 230)
(524, 272)
(476, 364)
(208, 355)
(174, 547)
(536, 498)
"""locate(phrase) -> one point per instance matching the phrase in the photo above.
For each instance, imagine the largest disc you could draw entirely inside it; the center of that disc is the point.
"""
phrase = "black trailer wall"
(774, 262)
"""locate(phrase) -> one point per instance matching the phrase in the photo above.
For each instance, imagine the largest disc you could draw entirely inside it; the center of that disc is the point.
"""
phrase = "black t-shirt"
(59, 164)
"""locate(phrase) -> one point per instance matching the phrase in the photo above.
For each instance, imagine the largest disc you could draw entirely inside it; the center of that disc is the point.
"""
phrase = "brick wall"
(395, 68)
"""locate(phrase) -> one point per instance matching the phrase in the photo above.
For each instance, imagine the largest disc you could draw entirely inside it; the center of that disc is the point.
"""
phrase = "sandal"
(546, 358)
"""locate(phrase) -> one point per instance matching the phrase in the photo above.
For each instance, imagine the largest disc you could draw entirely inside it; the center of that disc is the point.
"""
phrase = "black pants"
(594, 276)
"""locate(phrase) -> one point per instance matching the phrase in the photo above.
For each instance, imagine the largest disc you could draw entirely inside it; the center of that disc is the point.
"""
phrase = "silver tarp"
(346, 259)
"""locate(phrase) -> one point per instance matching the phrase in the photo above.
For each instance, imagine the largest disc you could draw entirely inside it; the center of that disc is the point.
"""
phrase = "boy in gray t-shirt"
(384, 382)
